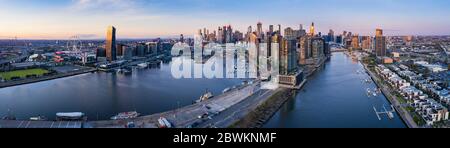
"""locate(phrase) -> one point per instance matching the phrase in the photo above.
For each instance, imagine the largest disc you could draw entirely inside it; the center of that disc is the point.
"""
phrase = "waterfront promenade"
(404, 114)
(221, 110)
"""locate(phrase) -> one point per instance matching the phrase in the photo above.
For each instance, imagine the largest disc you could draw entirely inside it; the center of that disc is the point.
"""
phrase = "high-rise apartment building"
(111, 51)
(355, 42)
(259, 31)
(288, 56)
(380, 43)
(312, 30)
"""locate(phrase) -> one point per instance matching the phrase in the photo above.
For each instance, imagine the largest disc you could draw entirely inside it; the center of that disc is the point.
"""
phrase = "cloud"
(87, 36)
(95, 4)
(132, 10)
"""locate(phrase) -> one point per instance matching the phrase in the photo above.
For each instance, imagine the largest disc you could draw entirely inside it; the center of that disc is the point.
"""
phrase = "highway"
(238, 111)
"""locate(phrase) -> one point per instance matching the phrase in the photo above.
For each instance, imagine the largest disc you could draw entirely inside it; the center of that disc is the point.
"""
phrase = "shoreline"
(272, 104)
(265, 111)
(403, 113)
(46, 78)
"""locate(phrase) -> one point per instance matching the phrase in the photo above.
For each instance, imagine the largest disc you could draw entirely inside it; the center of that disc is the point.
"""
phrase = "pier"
(405, 116)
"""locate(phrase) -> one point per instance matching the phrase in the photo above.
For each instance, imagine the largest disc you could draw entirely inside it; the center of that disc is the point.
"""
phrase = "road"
(187, 116)
(238, 111)
(231, 107)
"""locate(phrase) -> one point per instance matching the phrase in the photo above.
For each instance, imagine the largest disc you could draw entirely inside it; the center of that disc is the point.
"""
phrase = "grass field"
(22, 73)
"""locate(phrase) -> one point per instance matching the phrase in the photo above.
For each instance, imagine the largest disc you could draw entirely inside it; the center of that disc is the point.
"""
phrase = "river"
(103, 95)
(335, 97)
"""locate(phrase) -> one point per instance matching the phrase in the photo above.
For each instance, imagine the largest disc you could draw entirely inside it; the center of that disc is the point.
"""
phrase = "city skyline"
(50, 19)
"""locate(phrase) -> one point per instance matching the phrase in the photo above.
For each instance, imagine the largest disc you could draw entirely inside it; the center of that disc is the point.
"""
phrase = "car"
(131, 125)
(204, 116)
(207, 107)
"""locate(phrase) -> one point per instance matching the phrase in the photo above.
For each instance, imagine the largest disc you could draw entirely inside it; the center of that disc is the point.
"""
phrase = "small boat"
(70, 116)
(126, 115)
(39, 118)
(390, 114)
(143, 65)
(164, 123)
(369, 92)
(226, 90)
(208, 95)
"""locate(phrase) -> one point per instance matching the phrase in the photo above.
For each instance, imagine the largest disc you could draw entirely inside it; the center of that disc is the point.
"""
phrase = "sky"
(88, 19)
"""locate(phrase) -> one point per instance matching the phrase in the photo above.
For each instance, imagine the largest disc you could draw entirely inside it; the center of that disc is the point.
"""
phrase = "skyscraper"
(182, 38)
(355, 42)
(366, 42)
(229, 35)
(271, 30)
(317, 47)
(290, 33)
(312, 30)
(259, 31)
(379, 32)
(380, 43)
(331, 36)
(304, 46)
(120, 48)
(279, 29)
(339, 39)
(111, 52)
(220, 35)
(288, 56)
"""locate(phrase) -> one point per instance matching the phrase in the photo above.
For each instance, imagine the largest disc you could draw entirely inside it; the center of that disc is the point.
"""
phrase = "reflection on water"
(334, 97)
(102, 95)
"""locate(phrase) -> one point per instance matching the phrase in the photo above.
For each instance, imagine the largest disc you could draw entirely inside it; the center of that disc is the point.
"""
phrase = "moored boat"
(126, 115)
(208, 95)
(38, 118)
(142, 65)
(70, 116)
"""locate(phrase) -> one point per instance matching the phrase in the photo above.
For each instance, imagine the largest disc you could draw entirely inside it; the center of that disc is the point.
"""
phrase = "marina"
(388, 113)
